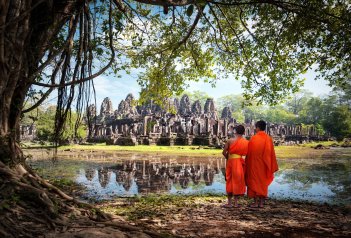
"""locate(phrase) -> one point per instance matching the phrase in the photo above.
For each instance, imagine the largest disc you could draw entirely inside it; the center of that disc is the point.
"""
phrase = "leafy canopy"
(266, 45)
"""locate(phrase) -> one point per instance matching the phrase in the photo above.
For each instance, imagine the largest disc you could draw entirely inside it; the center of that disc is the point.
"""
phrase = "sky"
(118, 88)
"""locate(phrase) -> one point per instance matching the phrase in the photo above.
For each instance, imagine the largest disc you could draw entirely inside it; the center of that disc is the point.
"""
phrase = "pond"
(323, 178)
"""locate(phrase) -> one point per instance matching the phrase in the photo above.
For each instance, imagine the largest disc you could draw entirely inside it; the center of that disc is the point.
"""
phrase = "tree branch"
(39, 102)
(101, 71)
(167, 2)
(186, 37)
(21, 16)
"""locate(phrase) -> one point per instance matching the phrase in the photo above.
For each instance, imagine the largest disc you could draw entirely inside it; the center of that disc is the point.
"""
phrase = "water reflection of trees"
(156, 176)
(336, 175)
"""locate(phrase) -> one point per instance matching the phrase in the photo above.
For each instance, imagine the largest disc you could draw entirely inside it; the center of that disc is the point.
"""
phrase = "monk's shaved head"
(240, 129)
(261, 125)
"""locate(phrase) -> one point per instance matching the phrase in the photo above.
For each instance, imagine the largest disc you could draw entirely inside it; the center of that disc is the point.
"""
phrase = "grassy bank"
(147, 149)
(281, 151)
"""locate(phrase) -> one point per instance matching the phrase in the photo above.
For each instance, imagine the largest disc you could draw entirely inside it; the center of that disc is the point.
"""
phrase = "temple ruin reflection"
(90, 173)
(104, 176)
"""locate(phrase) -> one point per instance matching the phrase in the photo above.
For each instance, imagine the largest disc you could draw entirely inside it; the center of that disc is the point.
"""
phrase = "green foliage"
(279, 114)
(44, 120)
(297, 102)
(234, 102)
(267, 47)
(329, 114)
(312, 112)
(338, 122)
(45, 124)
(239, 116)
(198, 95)
(343, 89)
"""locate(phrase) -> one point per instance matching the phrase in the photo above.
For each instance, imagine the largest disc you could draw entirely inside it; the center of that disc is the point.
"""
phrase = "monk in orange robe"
(234, 151)
(261, 164)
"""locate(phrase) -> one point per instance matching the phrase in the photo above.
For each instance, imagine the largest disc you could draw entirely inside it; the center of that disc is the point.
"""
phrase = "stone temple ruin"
(28, 132)
(179, 123)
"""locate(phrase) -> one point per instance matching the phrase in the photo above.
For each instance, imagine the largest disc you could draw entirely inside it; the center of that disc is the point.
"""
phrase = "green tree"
(279, 114)
(313, 111)
(338, 122)
(198, 95)
(298, 101)
(242, 112)
(45, 124)
(344, 93)
(44, 120)
(239, 116)
(234, 102)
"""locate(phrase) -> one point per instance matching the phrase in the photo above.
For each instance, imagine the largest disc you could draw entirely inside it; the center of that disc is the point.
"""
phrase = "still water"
(325, 178)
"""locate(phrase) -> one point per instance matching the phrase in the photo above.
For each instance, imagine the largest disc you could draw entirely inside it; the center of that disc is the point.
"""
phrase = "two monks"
(256, 171)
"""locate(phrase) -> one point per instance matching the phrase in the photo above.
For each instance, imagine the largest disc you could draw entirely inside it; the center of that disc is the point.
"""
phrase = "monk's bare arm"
(274, 157)
(225, 149)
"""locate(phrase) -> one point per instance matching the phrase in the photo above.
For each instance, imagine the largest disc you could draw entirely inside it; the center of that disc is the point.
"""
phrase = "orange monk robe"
(235, 167)
(261, 163)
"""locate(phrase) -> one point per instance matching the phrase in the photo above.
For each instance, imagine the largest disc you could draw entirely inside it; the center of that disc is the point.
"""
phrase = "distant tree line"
(331, 113)
(44, 120)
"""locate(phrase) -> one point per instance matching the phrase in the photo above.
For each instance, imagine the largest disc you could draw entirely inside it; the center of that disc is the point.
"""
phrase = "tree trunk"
(13, 67)
(26, 30)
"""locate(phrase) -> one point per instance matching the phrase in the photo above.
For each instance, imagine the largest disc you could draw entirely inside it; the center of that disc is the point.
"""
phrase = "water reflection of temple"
(125, 174)
(90, 174)
(104, 176)
(158, 176)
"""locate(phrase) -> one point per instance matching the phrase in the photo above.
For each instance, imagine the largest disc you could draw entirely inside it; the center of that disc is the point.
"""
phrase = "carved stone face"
(226, 113)
(106, 107)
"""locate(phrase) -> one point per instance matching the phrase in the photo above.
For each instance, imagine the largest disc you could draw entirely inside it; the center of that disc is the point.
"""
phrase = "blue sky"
(118, 88)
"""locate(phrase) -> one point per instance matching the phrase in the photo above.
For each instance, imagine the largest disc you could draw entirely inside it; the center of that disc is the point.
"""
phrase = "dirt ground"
(205, 217)
(198, 217)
